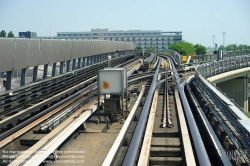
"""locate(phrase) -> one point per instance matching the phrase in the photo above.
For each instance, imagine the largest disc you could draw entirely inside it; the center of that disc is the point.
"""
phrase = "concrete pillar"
(236, 89)
(45, 71)
(23, 76)
(61, 67)
(79, 63)
(74, 64)
(84, 62)
(90, 60)
(53, 74)
(8, 80)
(67, 65)
(35, 69)
(98, 58)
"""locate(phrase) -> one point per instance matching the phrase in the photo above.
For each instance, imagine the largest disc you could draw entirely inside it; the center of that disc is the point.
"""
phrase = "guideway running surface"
(134, 144)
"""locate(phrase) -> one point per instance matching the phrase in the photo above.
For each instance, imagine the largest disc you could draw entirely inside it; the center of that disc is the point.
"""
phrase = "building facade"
(156, 38)
(27, 34)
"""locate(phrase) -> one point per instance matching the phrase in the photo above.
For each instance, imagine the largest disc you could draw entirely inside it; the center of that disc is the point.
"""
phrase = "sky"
(198, 20)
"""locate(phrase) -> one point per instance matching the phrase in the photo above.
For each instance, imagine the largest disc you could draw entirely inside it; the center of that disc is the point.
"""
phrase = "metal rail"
(145, 149)
(232, 126)
(110, 158)
(216, 143)
(198, 143)
(132, 151)
(68, 90)
(47, 88)
(46, 146)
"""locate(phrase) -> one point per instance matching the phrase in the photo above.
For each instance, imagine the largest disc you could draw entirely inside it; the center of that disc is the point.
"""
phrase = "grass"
(247, 114)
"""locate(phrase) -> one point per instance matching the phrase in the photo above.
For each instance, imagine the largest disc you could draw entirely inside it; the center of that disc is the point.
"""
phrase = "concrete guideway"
(61, 134)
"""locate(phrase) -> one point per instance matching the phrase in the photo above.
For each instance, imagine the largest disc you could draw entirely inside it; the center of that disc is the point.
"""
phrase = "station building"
(145, 38)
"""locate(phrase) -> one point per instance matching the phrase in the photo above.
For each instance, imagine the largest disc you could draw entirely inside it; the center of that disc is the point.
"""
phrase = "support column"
(79, 63)
(90, 60)
(61, 67)
(67, 65)
(74, 64)
(53, 70)
(84, 62)
(87, 62)
(35, 69)
(236, 89)
(97, 59)
(23, 76)
(8, 80)
(45, 71)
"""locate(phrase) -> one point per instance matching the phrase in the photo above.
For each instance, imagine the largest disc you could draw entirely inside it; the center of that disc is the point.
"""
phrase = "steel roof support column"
(45, 71)
(74, 64)
(23, 76)
(61, 67)
(79, 63)
(35, 69)
(8, 80)
(53, 74)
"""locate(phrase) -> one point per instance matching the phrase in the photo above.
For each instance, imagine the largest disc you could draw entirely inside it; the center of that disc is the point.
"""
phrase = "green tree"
(242, 47)
(183, 47)
(3, 33)
(11, 35)
(221, 47)
(231, 47)
(138, 49)
(200, 49)
(150, 49)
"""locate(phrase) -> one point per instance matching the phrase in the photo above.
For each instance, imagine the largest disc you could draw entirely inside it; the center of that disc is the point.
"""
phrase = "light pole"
(224, 40)
(155, 49)
(50, 31)
(213, 41)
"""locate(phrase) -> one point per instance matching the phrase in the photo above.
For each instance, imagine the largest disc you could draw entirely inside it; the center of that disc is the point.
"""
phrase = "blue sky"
(197, 19)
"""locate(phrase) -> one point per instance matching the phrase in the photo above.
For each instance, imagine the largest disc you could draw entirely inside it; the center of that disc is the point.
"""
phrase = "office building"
(146, 38)
(27, 34)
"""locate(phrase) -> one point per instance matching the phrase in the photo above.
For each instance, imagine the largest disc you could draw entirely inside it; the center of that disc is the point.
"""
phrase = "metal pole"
(50, 31)
(224, 39)
(155, 49)
(213, 41)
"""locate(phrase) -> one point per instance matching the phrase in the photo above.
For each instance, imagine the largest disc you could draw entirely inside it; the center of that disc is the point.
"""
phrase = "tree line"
(186, 48)
(233, 47)
(10, 34)
(183, 47)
